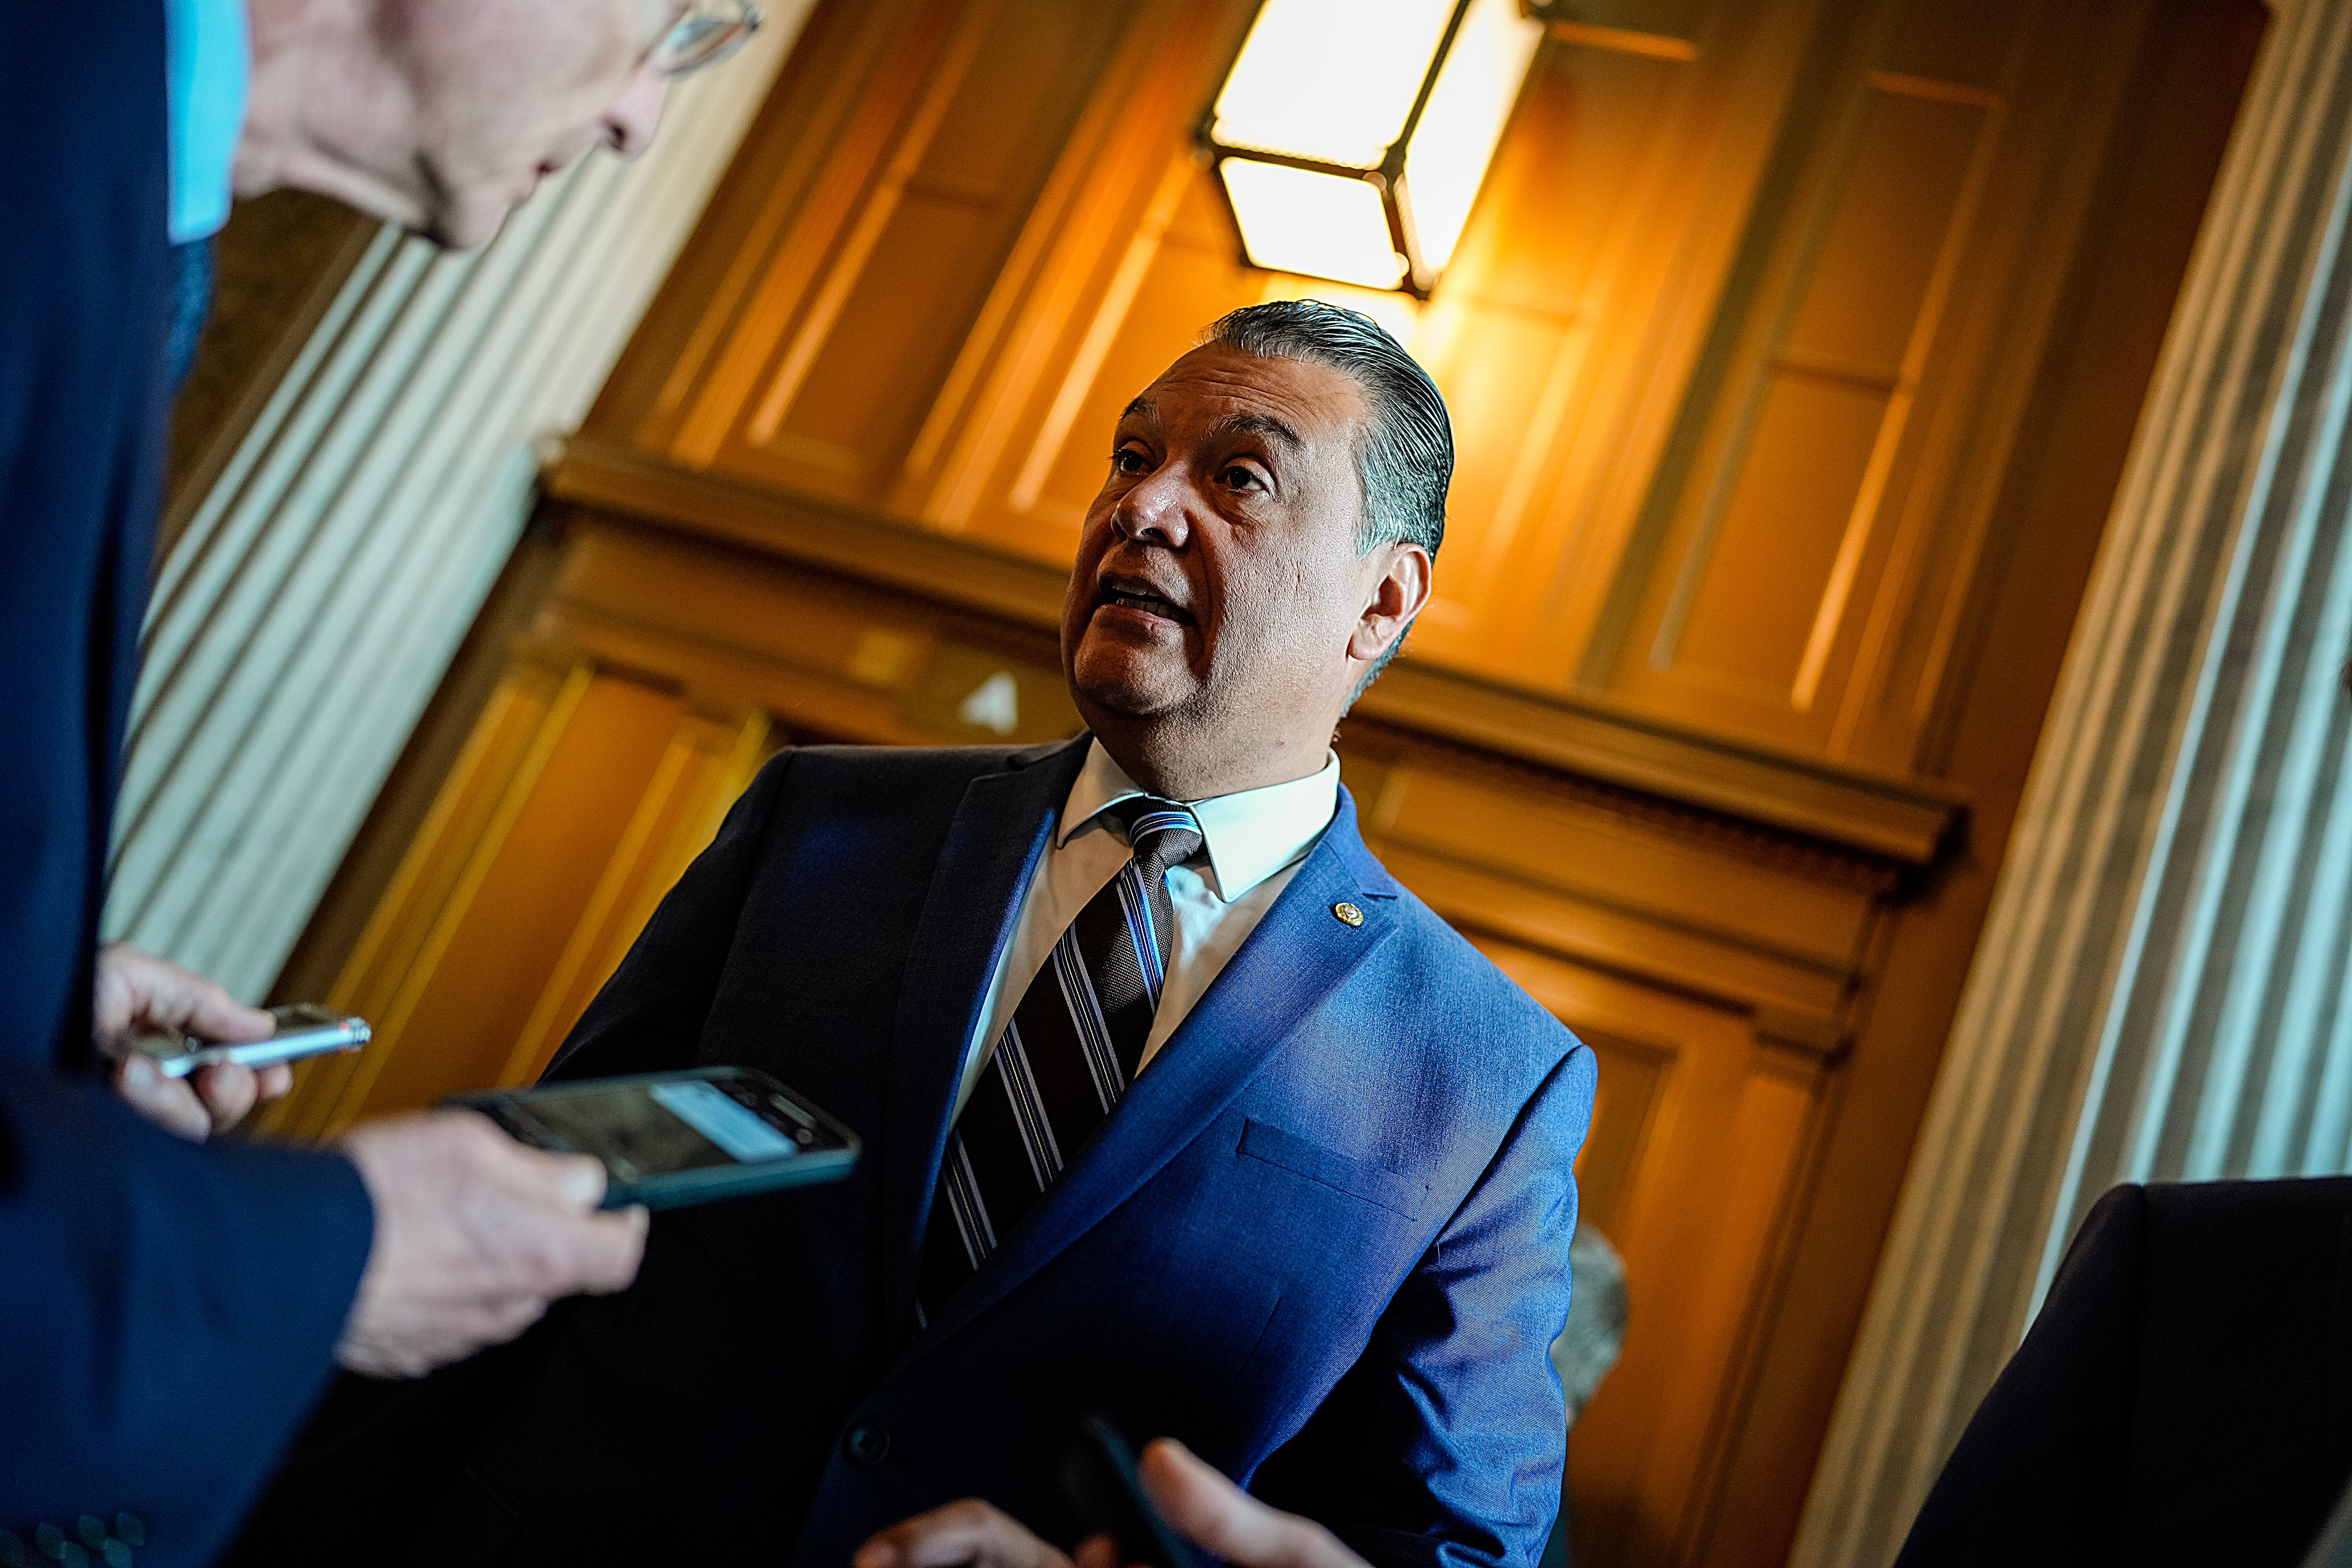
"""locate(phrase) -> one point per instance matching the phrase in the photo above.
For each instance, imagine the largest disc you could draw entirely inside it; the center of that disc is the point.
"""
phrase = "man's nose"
(634, 117)
(1157, 509)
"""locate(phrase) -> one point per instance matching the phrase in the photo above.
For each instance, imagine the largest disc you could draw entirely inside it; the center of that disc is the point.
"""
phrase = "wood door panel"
(526, 714)
(1738, 618)
(515, 922)
(1035, 66)
(1569, 186)
(708, 761)
(1497, 366)
(877, 267)
(1786, 522)
(827, 418)
(922, 250)
(1566, 240)
(1969, 44)
(1631, 1093)
(1718, 1123)
(1902, 211)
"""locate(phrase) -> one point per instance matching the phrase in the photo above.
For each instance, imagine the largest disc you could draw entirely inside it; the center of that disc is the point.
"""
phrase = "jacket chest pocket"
(1399, 1194)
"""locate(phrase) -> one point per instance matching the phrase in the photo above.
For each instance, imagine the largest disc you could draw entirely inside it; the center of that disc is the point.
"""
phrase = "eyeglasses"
(702, 35)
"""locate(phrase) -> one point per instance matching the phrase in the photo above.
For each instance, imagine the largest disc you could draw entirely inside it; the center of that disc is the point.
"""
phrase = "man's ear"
(1397, 595)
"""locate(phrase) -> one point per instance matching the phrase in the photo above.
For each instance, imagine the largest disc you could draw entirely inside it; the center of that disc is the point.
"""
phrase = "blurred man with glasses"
(172, 1308)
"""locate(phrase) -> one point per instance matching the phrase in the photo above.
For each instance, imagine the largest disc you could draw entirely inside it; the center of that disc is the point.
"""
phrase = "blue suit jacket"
(167, 1312)
(1323, 1240)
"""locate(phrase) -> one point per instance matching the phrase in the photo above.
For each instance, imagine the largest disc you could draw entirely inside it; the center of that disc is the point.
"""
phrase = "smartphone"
(667, 1138)
(1098, 1482)
(304, 1029)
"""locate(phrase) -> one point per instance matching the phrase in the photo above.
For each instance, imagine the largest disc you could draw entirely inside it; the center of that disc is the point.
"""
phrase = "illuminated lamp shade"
(1352, 135)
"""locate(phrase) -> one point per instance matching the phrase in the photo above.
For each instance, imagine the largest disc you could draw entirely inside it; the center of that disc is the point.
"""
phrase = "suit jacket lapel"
(1300, 953)
(1002, 828)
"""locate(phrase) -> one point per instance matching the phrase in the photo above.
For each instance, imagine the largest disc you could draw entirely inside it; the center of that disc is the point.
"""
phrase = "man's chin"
(1128, 674)
(1126, 694)
(467, 222)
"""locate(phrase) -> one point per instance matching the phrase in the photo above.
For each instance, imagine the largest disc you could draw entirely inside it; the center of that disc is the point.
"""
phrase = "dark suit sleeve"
(171, 1308)
(2038, 1477)
(2184, 1396)
(648, 1018)
(167, 1311)
(1444, 1443)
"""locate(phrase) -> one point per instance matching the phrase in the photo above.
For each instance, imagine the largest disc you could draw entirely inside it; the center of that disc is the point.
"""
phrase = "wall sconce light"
(1352, 135)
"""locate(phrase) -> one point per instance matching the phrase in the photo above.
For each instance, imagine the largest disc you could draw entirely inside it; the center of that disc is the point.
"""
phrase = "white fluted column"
(304, 618)
(2161, 989)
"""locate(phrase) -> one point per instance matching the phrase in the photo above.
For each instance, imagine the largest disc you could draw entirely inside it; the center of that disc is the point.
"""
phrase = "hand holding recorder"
(140, 996)
(475, 1234)
(481, 1221)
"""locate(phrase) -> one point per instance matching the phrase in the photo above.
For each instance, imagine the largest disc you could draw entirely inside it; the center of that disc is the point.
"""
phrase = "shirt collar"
(1248, 835)
(207, 78)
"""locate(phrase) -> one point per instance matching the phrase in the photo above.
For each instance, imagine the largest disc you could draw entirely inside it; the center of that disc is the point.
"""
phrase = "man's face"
(501, 93)
(1218, 591)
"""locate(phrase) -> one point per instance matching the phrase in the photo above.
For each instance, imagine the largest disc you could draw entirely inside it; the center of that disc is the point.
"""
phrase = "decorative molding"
(1850, 812)
(1742, 837)
(2160, 990)
(304, 618)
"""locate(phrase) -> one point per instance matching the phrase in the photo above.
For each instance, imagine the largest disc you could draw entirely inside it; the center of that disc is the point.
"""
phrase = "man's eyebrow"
(1259, 425)
(1142, 405)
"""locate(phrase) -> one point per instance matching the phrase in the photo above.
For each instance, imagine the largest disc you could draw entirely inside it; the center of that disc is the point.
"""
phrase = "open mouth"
(1148, 604)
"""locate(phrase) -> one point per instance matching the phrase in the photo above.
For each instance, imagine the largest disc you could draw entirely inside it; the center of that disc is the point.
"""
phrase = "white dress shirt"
(1252, 844)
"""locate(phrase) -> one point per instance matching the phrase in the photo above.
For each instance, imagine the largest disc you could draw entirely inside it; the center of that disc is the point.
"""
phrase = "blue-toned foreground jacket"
(1323, 1240)
(168, 1313)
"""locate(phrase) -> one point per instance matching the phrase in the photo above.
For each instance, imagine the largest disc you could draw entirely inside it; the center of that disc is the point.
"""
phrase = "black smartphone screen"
(641, 1130)
(666, 1139)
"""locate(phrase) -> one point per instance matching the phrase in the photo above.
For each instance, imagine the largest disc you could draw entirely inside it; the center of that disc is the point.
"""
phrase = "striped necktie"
(1066, 1058)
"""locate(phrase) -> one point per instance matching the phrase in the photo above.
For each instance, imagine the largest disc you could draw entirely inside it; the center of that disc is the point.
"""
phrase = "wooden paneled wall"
(1740, 334)
(1792, 350)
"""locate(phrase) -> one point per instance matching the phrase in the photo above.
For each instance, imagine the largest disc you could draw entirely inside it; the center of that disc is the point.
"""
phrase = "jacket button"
(867, 1446)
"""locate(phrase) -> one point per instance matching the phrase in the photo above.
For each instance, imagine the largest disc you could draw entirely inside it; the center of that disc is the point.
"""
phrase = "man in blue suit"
(1177, 1106)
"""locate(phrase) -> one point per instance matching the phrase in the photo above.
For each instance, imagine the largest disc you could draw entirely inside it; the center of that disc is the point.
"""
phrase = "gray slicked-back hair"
(1405, 460)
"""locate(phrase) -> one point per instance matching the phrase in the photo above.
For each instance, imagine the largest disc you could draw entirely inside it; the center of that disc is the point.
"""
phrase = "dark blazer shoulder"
(901, 774)
(2183, 1395)
(905, 796)
(2273, 1216)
